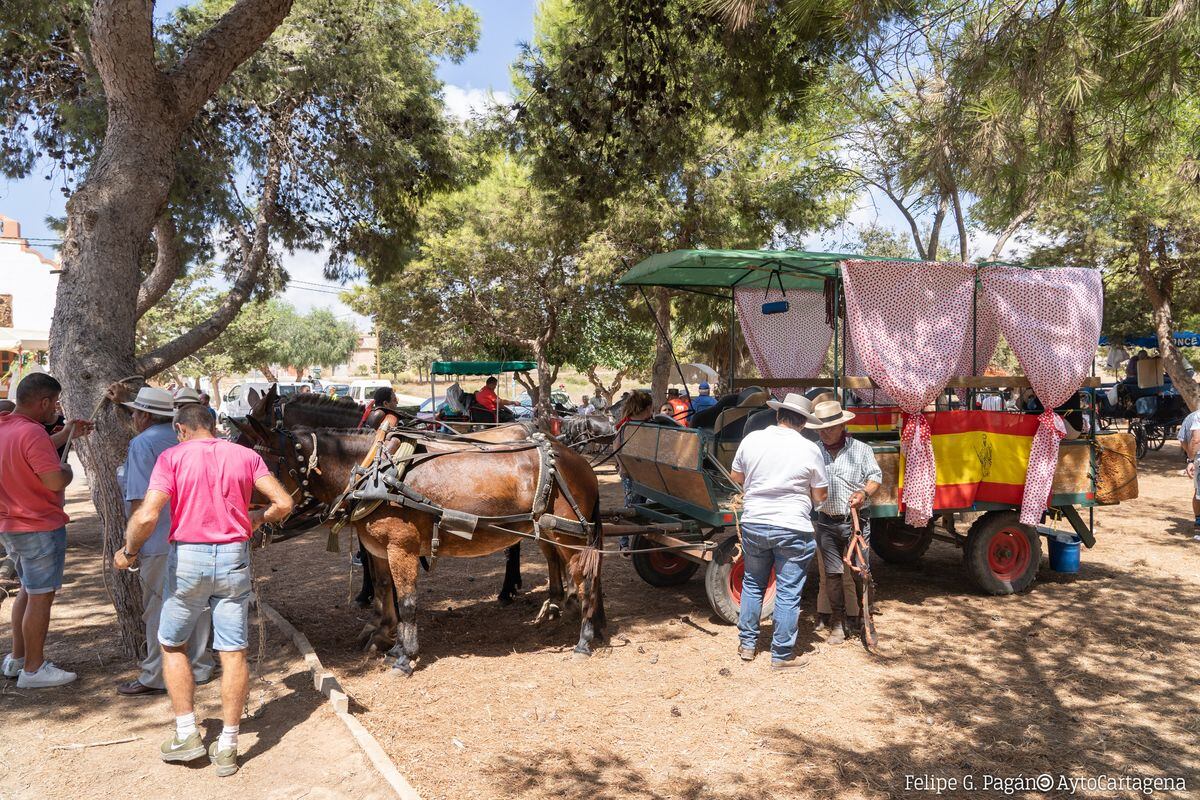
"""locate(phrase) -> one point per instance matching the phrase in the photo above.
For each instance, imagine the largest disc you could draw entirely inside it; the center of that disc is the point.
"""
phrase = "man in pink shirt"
(208, 483)
(33, 524)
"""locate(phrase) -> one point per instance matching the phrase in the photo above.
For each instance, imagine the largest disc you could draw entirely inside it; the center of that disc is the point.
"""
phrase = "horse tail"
(593, 601)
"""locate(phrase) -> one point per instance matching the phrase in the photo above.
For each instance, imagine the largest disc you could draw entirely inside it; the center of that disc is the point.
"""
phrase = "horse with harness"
(410, 495)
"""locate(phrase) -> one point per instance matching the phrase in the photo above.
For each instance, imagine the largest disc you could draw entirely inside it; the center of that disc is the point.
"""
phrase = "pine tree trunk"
(663, 361)
(109, 220)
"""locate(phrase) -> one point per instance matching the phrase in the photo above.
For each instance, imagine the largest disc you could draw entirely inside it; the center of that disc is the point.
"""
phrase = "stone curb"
(327, 684)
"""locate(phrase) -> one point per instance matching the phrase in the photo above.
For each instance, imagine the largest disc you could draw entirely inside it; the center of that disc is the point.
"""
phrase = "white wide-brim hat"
(153, 401)
(793, 402)
(827, 414)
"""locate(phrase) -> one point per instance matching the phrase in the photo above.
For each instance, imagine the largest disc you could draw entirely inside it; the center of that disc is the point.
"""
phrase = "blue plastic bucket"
(1064, 554)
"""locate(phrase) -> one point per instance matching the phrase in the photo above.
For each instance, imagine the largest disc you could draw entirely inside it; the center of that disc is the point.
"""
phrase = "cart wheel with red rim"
(723, 583)
(660, 567)
(1002, 555)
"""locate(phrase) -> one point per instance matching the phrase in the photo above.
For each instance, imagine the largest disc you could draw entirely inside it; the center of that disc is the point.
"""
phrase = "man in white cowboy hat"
(854, 476)
(782, 476)
(153, 412)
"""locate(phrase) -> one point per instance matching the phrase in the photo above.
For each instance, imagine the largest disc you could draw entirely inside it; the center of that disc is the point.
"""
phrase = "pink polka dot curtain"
(788, 345)
(1051, 319)
(908, 322)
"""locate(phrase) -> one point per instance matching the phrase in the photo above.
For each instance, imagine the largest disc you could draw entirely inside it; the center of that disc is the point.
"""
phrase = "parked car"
(362, 391)
(236, 402)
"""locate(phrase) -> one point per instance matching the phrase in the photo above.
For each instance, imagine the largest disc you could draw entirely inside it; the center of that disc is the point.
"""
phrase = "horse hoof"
(581, 655)
(505, 599)
(403, 666)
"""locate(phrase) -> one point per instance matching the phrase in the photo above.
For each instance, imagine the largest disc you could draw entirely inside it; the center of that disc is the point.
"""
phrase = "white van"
(236, 402)
(362, 391)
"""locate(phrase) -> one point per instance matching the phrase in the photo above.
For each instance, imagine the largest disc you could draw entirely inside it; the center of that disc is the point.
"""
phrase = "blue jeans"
(788, 551)
(39, 558)
(200, 576)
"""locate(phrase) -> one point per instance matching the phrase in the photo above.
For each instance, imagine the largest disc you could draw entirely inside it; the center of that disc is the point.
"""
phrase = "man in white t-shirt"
(782, 476)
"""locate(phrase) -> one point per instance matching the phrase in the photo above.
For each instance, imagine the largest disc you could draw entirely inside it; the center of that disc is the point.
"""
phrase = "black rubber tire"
(979, 545)
(717, 585)
(897, 543)
(646, 568)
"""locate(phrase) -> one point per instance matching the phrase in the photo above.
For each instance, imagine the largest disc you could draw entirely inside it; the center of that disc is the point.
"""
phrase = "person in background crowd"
(637, 408)
(488, 401)
(206, 401)
(782, 476)
(854, 475)
(305, 389)
(153, 412)
(208, 483)
(185, 396)
(703, 401)
(1189, 440)
(382, 399)
(680, 407)
(7, 407)
(666, 410)
(586, 407)
(33, 524)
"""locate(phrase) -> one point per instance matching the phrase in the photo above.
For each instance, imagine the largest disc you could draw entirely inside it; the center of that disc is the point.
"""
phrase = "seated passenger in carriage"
(488, 406)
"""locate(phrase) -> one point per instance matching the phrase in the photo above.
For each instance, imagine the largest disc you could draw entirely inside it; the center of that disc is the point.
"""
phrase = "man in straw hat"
(153, 412)
(854, 476)
(782, 476)
(32, 523)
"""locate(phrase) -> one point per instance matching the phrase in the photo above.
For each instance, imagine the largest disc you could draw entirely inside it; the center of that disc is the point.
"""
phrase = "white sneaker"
(47, 676)
(12, 666)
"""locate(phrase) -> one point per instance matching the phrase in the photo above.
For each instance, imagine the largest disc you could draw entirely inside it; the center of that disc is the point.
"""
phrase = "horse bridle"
(290, 446)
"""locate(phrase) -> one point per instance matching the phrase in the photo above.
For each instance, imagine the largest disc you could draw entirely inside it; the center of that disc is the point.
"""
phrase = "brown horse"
(322, 411)
(486, 480)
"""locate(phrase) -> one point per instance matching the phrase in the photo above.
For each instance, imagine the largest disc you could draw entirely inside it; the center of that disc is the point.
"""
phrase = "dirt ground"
(1080, 677)
(293, 746)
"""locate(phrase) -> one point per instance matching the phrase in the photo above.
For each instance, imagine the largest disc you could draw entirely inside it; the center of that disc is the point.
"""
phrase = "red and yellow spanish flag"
(981, 456)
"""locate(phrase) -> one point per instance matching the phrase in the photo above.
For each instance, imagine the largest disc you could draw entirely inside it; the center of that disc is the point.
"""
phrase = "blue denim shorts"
(39, 558)
(200, 576)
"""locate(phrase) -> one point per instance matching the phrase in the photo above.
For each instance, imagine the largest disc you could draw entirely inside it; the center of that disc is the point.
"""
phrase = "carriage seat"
(730, 427)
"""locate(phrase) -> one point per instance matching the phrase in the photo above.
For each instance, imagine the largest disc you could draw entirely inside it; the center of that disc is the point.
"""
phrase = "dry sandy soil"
(293, 745)
(1082, 676)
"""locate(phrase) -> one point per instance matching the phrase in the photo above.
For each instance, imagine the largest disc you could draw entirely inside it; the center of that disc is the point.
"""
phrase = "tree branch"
(931, 249)
(253, 261)
(219, 50)
(168, 265)
(961, 224)
(1013, 225)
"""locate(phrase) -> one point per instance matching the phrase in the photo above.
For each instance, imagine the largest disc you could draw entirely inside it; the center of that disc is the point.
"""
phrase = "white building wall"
(25, 274)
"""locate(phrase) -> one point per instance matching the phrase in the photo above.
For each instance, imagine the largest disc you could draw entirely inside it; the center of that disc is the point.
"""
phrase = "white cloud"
(462, 104)
(317, 291)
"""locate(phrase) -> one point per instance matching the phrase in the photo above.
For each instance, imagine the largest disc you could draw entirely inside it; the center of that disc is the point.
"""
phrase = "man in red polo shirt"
(33, 524)
(488, 401)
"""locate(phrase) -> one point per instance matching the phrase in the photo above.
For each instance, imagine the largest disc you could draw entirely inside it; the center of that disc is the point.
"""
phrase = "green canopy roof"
(480, 367)
(701, 269)
(687, 269)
